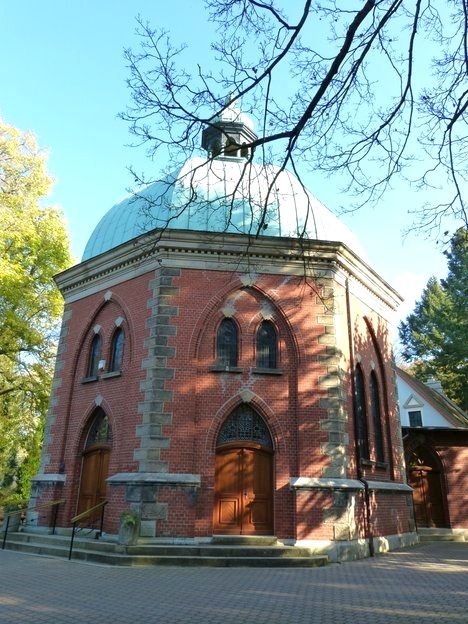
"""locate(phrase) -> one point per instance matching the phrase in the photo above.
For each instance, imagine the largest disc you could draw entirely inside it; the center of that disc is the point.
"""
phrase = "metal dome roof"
(221, 195)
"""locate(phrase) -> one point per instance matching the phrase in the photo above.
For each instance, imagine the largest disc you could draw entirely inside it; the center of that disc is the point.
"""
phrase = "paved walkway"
(424, 585)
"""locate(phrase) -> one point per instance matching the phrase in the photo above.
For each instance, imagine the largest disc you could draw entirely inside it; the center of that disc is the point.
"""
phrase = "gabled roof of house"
(440, 402)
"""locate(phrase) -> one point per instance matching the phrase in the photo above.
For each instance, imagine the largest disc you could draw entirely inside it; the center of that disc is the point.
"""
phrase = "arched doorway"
(243, 502)
(425, 477)
(95, 462)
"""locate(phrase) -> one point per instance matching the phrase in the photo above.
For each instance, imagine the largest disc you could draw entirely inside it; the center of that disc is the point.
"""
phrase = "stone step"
(442, 535)
(245, 540)
(196, 555)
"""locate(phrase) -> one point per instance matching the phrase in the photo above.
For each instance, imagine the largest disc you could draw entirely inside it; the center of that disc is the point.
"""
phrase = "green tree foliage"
(33, 248)
(435, 335)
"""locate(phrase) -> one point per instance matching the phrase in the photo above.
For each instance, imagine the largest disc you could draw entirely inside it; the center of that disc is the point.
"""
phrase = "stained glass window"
(117, 350)
(266, 345)
(99, 431)
(377, 417)
(226, 343)
(361, 415)
(94, 356)
(244, 424)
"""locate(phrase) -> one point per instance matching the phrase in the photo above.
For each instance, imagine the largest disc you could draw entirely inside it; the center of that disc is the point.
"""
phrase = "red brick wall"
(202, 399)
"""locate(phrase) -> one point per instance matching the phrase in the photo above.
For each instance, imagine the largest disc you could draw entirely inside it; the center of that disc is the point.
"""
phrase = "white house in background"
(435, 439)
(425, 405)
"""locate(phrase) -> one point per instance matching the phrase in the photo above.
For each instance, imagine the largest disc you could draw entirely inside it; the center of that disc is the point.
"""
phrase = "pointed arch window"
(244, 424)
(361, 415)
(94, 356)
(377, 417)
(117, 347)
(227, 343)
(267, 345)
(99, 431)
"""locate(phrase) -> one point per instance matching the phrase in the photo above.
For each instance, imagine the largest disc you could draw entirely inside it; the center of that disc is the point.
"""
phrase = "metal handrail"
(88, 512)
(20, 511)
(82, 516)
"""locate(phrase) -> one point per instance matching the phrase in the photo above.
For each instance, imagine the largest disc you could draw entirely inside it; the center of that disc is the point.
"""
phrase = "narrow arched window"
(266, 350)
(94, 356)
(226, 343)
(117, 347)
(377, 417)
(361, 415)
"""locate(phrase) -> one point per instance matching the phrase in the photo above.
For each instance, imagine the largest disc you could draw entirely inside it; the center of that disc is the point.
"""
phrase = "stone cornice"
(225, 252)
(320, 483)
(155, 478)
(49, 478)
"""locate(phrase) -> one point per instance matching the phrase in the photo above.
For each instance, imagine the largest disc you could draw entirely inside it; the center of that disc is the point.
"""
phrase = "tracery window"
(266, 347)
(99, 431)
(244, 424)
(361, 415)
(377, 417)
(117, 347)
(226, 343)
(94, 356)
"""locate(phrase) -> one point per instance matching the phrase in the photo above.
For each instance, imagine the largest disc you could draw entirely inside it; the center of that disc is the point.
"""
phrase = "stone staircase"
(223, 551)
(442, 535)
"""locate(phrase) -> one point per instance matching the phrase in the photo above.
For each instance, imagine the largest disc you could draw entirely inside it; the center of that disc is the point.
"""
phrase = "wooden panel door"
(93, 478)
(257, 493)
(243, 492)
(428, 497)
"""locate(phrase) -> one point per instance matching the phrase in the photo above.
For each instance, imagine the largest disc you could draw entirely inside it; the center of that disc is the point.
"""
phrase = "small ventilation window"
(415, 418)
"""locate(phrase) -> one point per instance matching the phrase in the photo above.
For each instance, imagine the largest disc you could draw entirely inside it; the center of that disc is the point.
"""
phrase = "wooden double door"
(94, 473)
(243, 491)
(428, 496)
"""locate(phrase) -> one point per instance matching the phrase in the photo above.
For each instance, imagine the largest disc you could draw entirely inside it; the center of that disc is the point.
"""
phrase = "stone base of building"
(350, 550)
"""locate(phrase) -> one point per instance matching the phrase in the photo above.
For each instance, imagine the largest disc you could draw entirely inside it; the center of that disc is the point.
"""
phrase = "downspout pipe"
(368, 523)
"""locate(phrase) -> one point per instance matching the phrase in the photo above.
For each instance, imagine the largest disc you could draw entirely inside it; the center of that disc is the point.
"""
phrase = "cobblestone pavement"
(423, 585)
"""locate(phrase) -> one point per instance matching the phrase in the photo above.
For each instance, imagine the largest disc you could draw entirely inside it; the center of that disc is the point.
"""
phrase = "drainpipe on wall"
(368, 524)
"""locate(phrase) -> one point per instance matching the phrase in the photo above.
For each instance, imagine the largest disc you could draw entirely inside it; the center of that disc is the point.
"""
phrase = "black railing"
(93, 511)
(24, 510)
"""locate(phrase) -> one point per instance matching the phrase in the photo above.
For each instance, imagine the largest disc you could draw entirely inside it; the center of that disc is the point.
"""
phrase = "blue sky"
(62, 76)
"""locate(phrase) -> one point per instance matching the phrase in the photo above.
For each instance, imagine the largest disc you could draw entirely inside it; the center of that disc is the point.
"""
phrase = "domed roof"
(221, 195)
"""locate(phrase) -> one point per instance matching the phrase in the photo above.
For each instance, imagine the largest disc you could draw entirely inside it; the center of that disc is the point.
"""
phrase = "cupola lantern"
(230, 134)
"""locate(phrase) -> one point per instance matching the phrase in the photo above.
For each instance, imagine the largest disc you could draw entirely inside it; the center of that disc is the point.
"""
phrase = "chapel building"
(225, 367)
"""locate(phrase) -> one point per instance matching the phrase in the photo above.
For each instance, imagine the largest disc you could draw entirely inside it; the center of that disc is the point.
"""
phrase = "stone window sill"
(219, 368)
(382, 464)
(85, 380)
(111, 374)
(372, 462)
(266, 371)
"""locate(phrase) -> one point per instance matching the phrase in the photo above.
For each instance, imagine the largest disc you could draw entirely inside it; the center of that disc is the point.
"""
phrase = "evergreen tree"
(435, 335)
